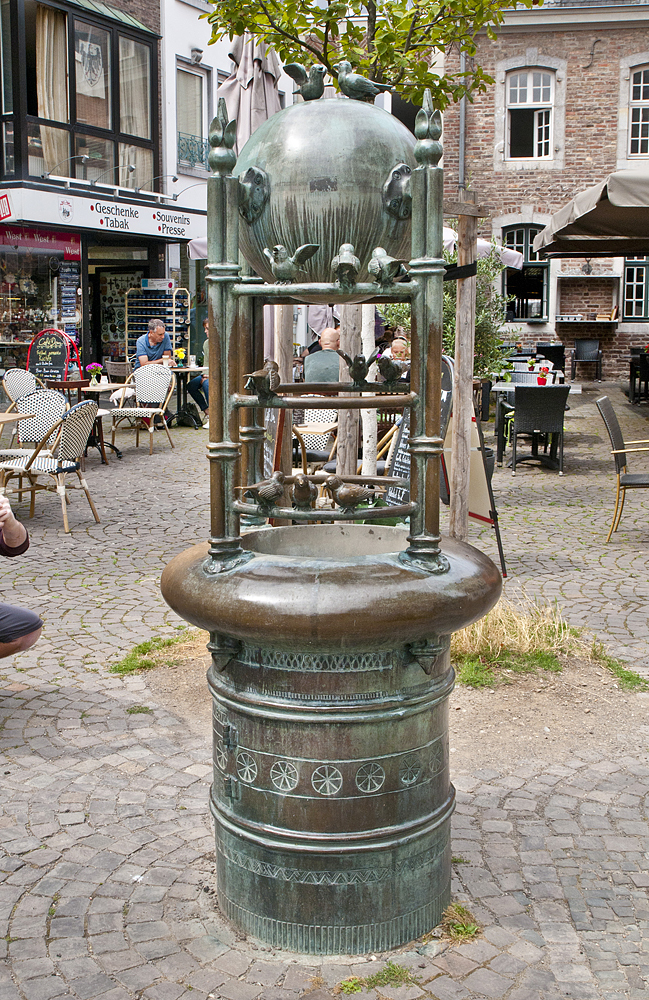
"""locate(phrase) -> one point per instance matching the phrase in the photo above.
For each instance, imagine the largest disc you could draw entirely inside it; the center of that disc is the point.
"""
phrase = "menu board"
(272, 435)
(53, 355)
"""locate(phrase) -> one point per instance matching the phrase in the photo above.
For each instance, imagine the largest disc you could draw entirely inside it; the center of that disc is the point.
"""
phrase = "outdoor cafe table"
(499, 425)
(96, 439)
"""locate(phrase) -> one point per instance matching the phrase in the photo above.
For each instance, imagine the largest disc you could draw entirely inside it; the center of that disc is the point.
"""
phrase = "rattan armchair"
(625, 480)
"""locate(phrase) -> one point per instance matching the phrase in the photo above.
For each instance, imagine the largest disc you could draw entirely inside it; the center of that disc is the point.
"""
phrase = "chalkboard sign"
(274, 427)
(53, 355)
(400, 463)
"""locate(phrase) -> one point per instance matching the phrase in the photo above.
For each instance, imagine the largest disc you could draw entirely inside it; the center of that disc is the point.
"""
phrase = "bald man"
(323, 366)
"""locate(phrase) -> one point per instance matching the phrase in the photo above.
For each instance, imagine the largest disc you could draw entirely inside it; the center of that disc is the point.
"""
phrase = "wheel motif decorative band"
(327, 780)
(410, 770)
(436, 758)
(370, 777)
(246, 767)
(220, 756)
(284, 775)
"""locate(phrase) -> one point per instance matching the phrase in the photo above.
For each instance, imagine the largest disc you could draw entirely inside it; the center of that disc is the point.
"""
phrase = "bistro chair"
(46, 408)
(16, 383)
(556, 353)
(118, 371)
(625, 480)
(70, 387)
(73, 431)
(586, 352)
(316, 447)
(154, 386)
(539, 411)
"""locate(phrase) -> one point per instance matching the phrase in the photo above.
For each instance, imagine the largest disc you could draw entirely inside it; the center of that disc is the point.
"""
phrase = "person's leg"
(19, 629)
(198, 392)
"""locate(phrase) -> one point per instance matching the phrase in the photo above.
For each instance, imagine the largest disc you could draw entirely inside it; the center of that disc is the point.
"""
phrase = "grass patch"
(392, 974)
(139, 710)
(519, 638)
(458, 923)
(456, 860)
(147, 655)
(627, 679)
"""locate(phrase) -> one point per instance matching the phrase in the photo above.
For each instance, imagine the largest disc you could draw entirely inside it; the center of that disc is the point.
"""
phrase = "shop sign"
(69, 244)
(107, 214)
(5, 207)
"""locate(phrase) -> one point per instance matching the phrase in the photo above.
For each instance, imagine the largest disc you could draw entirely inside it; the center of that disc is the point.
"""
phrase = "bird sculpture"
(385, 269)
(391, 370)
(286, 269)
(304, 492)
(359, 367)
(311, 84)
(346, 266)
(349, 495)
(355, 86)
(267, 491)
(265, 381)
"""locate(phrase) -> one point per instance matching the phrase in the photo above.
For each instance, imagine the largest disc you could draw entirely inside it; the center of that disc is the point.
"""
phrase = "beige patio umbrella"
(250, 92)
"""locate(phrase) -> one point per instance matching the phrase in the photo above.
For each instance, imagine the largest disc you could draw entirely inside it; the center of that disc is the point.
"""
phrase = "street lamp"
(129, 167)
(160, 177)
(177, 195)
(84, 159)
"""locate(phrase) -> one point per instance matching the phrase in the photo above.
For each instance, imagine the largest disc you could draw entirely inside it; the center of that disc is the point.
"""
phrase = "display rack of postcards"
(171, 306)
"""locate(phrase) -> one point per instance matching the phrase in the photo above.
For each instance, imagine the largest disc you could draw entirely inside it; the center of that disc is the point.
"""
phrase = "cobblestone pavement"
(106, 886)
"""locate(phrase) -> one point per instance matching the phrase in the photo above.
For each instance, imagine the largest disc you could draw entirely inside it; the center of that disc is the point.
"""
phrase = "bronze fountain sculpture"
(330, 637)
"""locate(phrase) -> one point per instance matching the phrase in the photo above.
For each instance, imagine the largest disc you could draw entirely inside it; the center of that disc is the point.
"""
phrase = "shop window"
(530, 98)
(525, 291)
(100, 160)
(5, 58)
(134, 88)
(47, 148)
(141, 160)
(92, 74)
(639, 113)
(636, 285)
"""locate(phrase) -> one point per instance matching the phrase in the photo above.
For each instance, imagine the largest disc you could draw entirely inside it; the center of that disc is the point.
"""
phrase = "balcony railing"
(193, 150)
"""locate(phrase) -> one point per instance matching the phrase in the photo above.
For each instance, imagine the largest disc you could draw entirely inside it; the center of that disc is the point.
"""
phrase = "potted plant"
(542, 377)
(531, 364)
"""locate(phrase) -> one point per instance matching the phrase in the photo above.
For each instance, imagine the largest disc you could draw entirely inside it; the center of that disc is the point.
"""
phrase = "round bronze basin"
(333, 587)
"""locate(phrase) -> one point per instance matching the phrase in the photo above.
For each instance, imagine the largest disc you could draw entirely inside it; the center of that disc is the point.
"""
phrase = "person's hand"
(13, 532)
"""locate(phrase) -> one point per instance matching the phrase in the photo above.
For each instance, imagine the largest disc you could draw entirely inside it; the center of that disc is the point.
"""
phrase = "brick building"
(570, 104)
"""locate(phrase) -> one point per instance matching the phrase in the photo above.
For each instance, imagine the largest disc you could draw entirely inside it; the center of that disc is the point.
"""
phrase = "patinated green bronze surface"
(330, 641)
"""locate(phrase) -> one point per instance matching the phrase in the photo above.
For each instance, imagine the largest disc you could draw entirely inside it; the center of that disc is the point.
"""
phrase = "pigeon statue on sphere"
(304, 492)
(267, 491)
(311, 84)
(385, 269)
(355, 86)
(286, 269)
(359, 367)
(349, 495)
(346, 266)
(265, 381)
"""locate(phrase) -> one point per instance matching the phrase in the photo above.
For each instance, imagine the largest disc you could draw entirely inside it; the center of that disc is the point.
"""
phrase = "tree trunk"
(368, 417)
(463, 386)
(348, 420)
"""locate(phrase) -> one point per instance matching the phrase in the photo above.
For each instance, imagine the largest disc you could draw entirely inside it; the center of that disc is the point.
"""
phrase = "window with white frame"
(639, 112)
(525, 290)
(636, 286)
(192, 92)
(530, 101)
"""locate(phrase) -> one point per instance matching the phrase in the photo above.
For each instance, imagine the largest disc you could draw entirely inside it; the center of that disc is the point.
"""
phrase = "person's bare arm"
(13, 532)
(142, 358)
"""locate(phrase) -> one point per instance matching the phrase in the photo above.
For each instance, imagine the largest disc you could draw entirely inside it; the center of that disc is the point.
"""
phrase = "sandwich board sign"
(54, 355)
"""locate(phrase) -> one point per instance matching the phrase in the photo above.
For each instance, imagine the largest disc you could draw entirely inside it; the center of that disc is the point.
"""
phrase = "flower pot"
(541, 380)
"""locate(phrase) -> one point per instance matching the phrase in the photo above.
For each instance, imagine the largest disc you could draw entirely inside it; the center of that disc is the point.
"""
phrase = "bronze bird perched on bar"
(359, 367)
(391, 370)
(267, 491)
(355, 86)
(346, 266)
(349, 495)
(265, 381)
(304, 492)
(385, 269)
(311, 84)
(286, 269)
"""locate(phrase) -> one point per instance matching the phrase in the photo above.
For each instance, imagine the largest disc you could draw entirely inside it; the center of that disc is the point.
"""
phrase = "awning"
(610, 219)
(197, 249)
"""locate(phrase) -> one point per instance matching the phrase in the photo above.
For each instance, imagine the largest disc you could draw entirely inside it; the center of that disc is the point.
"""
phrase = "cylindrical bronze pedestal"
(331, 791)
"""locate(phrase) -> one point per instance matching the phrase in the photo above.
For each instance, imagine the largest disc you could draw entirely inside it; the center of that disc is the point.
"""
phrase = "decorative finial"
(428, 129)
(222, 137)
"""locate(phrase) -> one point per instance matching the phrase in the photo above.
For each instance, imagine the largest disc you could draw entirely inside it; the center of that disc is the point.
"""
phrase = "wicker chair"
(118, 371)
(586, 352)
(73, 431)
(625, 480)
(539, 411)
(316, 448)
(154, 386)
(46, 407)
(16, 383)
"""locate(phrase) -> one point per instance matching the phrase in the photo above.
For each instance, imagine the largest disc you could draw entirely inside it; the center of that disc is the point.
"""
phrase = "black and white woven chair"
(45, 407)
(17, 383)
(154, 386)
(74, 428)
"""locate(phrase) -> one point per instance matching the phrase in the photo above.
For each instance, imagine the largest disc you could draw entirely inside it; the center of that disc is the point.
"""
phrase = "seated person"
(153, 346)
(324, 365)
(199, 387)
(19, 628)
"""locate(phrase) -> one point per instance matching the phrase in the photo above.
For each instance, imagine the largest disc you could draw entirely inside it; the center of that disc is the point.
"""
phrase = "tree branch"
(292, 38)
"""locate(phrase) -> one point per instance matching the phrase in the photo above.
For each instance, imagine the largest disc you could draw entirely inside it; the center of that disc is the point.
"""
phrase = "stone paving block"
(177, 966)
(455, 964)
(207, 948)
(92, 986)
(477, 951)
(484, 982)
(401, 992)
(300, 978)
(235, 989)
(445, 989)
(277, 993)
(44, 989)
(268, 973)
(233, 963)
